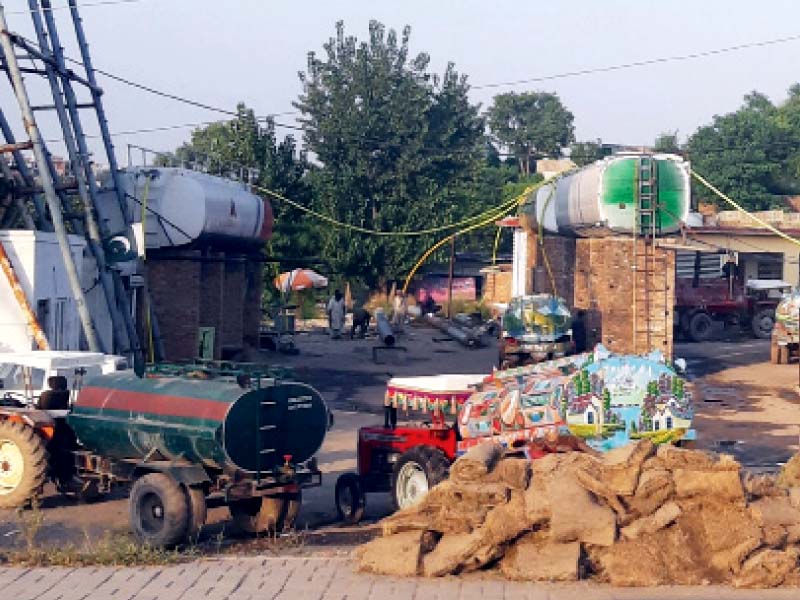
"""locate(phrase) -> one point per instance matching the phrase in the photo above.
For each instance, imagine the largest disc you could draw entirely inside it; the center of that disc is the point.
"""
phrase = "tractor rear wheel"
(159, 510)
(700, 327)
(416, 471)
(23, 464)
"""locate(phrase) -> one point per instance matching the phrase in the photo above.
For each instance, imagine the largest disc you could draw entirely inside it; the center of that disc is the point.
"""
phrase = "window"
(590, 417)
(656, 425)
(669, 423)
(770, 269)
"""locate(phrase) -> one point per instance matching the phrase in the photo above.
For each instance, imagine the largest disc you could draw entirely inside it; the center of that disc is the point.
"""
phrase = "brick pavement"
(276, 578)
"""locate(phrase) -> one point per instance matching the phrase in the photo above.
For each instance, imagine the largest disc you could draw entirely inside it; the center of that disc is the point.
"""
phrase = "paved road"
(315, 578)
(717, 355)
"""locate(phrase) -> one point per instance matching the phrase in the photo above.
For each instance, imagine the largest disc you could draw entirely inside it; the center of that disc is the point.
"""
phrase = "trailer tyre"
(23, 464)
(416, 471)
(159, 510)
(700, 325)
(196, 499)
(763, 322)
(350, 499)
(269, 514)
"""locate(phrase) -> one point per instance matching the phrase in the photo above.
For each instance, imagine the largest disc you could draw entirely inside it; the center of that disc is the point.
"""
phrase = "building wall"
(497, 284)
(760, 242)
(37, 262)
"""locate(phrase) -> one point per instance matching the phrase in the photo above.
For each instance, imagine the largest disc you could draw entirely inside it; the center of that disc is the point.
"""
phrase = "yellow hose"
(758, 220)
(333, 221)
(496, 245)
(500, 212)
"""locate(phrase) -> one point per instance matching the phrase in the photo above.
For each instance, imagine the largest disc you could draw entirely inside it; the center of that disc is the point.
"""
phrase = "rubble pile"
(636, 516)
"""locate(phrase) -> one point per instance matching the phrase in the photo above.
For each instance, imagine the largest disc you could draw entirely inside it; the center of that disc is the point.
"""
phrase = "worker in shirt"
(336, 311)
(361, 318)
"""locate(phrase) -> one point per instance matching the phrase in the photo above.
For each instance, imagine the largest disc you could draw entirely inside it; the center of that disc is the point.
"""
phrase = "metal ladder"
(96, 212)
(647, 285)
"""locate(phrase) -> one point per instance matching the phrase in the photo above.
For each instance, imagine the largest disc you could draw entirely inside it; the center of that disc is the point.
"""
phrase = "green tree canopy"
(399, 148)
(531, 125)
(748, 153)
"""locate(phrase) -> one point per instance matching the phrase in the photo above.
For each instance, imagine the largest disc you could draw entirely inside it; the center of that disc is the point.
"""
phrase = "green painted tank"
(214, 422)
(616, 195)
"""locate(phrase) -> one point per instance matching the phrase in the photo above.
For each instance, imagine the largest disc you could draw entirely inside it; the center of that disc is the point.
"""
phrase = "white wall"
(37, 261)
(519, 274)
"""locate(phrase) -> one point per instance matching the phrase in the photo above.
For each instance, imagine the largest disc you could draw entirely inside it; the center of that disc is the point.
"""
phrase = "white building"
(37, 262)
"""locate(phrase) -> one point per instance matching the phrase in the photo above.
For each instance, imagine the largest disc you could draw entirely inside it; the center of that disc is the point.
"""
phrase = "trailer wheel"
(268, 514)
(196, 499)
(350, 499)
(762, 323)
(416, 471)
(700, 325)
(159, 510)
(23, 464)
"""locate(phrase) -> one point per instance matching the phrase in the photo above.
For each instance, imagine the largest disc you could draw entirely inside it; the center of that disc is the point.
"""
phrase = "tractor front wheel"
(23, 464)
(416, 471)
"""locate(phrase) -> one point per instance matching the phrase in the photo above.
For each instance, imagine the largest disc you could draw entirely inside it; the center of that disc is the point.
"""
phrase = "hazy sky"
(223, 51)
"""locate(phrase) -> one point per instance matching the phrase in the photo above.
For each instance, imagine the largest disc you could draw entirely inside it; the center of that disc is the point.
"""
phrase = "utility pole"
(47, 184)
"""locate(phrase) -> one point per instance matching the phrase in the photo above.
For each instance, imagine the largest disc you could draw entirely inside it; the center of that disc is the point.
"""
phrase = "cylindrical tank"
(612, 195)
(184, 206)
(213, 422)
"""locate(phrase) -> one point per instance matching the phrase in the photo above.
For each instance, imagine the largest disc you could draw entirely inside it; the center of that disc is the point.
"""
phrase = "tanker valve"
(287, 467)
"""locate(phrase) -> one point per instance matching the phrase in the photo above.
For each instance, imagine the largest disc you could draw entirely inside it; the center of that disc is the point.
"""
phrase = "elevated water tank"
(182, 206)
(612, 195)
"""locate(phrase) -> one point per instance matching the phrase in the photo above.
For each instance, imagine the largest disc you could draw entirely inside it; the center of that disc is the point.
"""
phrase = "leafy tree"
(606, 400)
(531, 125)
(745, 153)
(667, 143)
(585, 153)
(399, 148)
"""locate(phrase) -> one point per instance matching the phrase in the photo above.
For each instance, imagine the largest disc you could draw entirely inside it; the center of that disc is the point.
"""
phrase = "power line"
(82, 5)
(643, 63)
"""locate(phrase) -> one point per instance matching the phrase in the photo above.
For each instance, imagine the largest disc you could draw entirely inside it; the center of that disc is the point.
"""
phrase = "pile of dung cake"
(637, 516)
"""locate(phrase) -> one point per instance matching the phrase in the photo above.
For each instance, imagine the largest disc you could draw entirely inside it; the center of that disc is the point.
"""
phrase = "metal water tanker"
(616, 195)
(180, 207)
(215, 423)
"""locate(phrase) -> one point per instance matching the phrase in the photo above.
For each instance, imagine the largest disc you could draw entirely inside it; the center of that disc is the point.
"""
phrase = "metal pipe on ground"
(385, 332)
(465, 337)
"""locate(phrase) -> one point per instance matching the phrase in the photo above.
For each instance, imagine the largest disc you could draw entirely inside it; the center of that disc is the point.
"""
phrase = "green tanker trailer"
(184, 444)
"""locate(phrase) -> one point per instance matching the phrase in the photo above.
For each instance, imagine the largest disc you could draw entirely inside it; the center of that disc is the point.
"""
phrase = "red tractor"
(410, 459)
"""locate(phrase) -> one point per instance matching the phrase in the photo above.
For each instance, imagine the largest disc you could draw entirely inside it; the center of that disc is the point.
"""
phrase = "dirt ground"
(744, 406)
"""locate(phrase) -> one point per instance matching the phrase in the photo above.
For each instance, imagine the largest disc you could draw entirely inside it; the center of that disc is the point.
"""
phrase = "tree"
(606, 400)
(585, 153)
(531, 125)
(745, 153)
(667, 143)
(399, 148)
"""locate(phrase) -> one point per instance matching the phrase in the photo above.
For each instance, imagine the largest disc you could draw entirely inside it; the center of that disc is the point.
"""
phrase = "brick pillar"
(251, 311)
(175, 293)
(234, 291)
(212, 285)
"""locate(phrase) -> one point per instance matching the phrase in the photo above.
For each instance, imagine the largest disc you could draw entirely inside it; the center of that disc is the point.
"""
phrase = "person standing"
(399, 311)
(336, 311)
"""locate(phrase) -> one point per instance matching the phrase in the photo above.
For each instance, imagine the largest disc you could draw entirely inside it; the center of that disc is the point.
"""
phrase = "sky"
(222, 52)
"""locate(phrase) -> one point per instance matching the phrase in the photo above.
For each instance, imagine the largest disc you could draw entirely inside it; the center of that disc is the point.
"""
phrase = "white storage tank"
(616, 195)
(180, 207)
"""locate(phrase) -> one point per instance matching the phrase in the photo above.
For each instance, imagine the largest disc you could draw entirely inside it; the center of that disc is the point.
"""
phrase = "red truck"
(711, 287)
